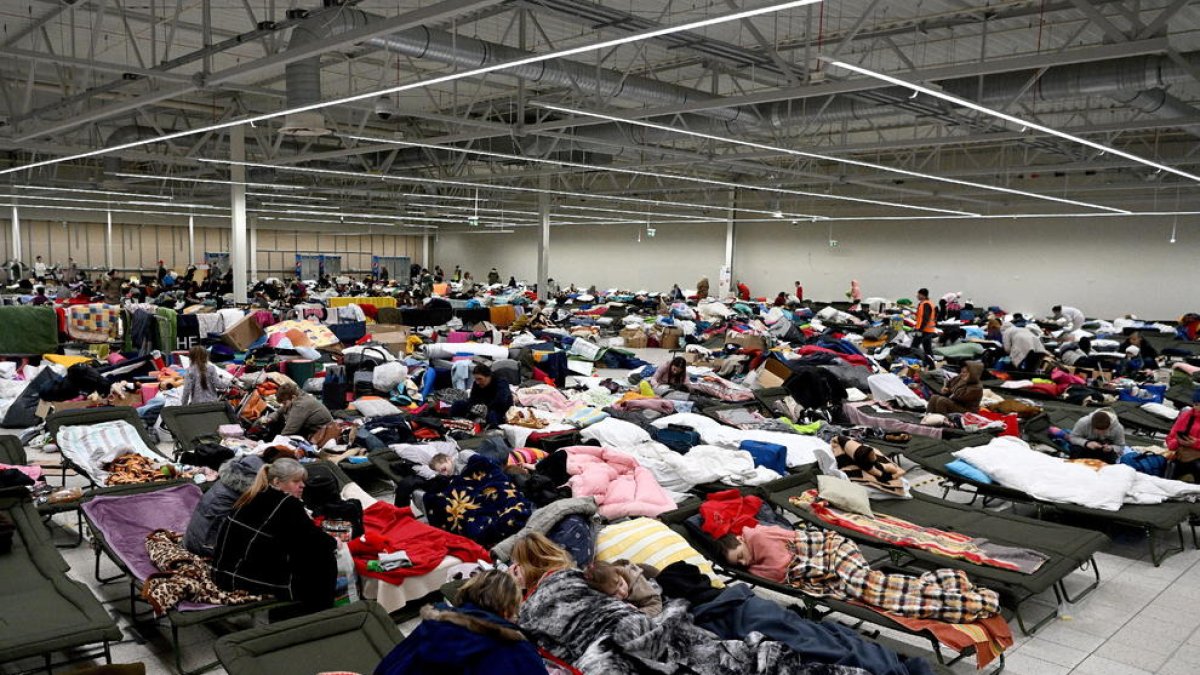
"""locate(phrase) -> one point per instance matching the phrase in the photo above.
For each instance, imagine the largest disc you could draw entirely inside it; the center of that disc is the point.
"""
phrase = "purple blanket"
(126, 520)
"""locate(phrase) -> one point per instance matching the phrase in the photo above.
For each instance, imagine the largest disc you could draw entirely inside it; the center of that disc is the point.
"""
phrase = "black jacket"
(271, 546)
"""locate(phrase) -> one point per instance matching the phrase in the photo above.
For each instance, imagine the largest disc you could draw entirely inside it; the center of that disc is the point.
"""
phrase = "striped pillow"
(650, 542)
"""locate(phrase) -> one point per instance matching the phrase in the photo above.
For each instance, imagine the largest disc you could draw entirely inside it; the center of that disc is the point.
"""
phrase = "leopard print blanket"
(184, 577)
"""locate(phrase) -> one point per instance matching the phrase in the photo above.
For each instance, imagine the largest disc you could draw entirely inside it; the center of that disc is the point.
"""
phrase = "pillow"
(649, 542)
(961, 467)
(615, 433)
(844, 495)
(375, 407)
(586, 417)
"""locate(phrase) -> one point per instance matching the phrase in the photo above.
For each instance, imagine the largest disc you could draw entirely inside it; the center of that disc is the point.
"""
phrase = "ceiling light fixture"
(467, 184)
(813, 155)
(23, 199)
(652, 174)
(90, 191)
(601, 46)
(181, 179)
(1015, 121)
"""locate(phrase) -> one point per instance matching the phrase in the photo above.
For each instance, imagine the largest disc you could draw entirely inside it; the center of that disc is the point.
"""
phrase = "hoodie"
(465, 640)
(1083, 431)
(965, 392)
(234, 478)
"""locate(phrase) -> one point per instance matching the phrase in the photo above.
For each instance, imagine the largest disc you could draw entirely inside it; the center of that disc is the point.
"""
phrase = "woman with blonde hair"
(269, 545)
(534, 556)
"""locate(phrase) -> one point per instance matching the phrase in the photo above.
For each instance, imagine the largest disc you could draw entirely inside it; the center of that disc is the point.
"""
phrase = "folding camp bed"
(191, 424)
(1153, 519)
(120, 520)
(43, 611)
(89, 416)
(1133, 416)
(1067, 548)
(814, 607)
(876, 416)
(1163, 341)
(353, 638)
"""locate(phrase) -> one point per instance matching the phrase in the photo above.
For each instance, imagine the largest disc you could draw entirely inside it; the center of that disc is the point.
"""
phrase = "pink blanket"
(620, 486)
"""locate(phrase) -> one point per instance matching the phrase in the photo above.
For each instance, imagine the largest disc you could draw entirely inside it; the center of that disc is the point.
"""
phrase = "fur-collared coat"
(466, 640)
(600, 634)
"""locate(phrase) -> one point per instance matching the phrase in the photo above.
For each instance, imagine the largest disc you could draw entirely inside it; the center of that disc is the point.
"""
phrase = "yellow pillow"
(649, 542)
(66, 361)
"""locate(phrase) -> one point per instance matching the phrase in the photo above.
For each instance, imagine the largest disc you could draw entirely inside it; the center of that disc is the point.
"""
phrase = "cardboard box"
(243, 334)
(634, 338)
(746, 341)
(773, 373)
(671, 337)
(47, 408)
(394, 339)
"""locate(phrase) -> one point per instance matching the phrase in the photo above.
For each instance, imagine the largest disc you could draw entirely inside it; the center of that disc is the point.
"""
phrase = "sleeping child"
(825, 563)
(626, 581)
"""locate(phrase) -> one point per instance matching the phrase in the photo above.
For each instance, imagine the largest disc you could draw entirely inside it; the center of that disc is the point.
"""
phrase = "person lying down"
(826, 563)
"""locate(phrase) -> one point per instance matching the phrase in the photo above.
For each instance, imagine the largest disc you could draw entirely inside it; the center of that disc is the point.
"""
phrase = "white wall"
(1105, 266)
(609, 256)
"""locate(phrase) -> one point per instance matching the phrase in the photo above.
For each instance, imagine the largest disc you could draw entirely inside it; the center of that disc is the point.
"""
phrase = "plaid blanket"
(900, 532)
(826, 563)
(93, 323)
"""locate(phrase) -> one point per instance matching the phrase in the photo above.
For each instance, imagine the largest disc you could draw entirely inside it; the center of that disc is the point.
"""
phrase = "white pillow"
(615, 433)
(375, 407)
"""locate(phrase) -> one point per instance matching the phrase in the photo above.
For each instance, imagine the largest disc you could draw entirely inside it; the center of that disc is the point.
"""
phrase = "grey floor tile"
(1099, 665)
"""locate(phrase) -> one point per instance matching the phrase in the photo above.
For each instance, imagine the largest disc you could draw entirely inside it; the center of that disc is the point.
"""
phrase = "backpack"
(1148, 463)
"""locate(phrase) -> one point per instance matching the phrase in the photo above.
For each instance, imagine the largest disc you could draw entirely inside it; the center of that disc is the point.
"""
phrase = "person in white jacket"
(1069, 317)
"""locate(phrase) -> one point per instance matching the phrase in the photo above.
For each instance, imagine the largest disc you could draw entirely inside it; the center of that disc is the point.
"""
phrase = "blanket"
(92, 446)
(482, 503)
(719, 388)
(389, 529)
(826, 563)
(600, 634)
(317, 333)
(901, 532)
(1012, 463)
(183, 577)
(737, 613)
(96, 322)
(702, 464)
(863, 464)
(620, 485)
(28, 330)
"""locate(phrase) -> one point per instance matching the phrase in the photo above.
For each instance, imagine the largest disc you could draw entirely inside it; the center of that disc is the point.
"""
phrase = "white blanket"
(800, 449)
(447, 350)
(702, 464)
(887, 387)
(91, 446)
(1011, 463)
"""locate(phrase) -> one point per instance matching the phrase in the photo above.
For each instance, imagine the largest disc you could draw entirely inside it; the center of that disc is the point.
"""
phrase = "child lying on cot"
(626, 581)
(825, 563)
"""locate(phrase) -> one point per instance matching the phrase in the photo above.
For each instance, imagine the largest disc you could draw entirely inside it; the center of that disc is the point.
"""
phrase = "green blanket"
(28, 330)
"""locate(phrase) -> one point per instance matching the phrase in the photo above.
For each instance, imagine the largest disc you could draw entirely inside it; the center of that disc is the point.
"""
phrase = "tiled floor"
(1140, 620)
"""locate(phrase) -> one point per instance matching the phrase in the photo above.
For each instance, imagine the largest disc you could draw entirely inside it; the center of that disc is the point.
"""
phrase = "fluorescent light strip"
(93, 209)
(813, 155)
(441, 79)
(212, 181)
(22, 199)
(90, 191)
(288, 196)
(302, 212)
(655, 174)
(1015, 121)
(482, 186)
(683, 216)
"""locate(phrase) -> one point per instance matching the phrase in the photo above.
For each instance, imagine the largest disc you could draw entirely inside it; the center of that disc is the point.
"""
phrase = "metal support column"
(254, 249)
(108, 247)
(543, 252)
(237, 243)
(16, 232)
(425, 261)
(192, 239)
(726, 277)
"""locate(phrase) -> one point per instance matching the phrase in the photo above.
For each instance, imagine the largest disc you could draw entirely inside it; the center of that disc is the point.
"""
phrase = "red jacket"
(390, 529)
(728, 512)
(1187, 424)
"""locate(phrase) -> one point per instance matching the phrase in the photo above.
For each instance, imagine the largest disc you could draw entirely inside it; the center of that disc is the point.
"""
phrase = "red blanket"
(390, 529)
